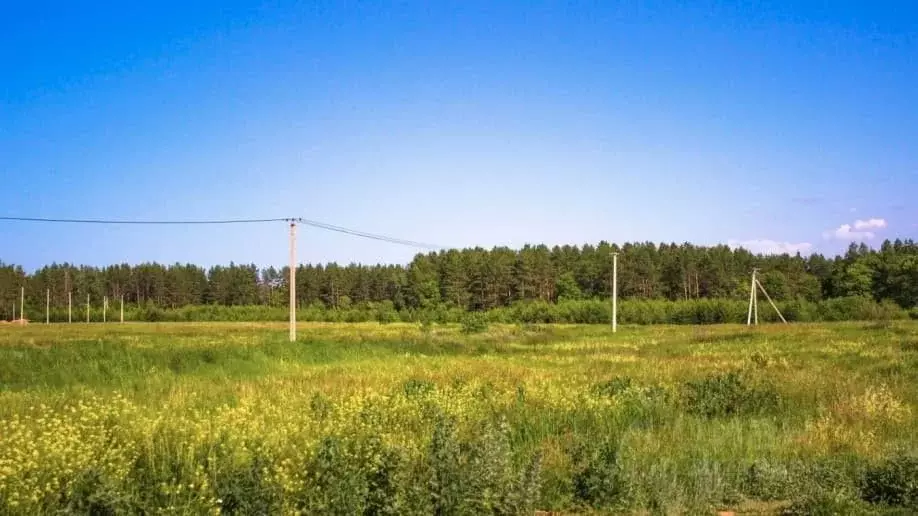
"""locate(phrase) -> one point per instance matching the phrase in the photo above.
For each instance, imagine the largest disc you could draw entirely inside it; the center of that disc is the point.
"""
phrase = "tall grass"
(401, 418)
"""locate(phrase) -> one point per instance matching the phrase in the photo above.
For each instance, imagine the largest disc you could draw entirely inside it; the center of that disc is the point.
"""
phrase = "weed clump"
(765, 480)
(612, 387)
(893, 483)
(730, 394)
(909, 345)
(474, 322)
(417, 387)
(597, 478)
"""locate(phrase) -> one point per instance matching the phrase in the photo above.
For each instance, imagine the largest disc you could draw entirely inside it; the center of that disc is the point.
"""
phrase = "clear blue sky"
(458, 123)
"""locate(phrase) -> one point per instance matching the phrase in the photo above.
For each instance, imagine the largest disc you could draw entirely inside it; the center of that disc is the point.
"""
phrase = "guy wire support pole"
(773, 305)
(292, 280)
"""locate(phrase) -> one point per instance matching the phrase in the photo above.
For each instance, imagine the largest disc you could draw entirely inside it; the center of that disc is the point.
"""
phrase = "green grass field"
(408, 419)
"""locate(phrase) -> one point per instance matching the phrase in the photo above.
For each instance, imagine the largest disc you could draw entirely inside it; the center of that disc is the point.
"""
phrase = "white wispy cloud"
(860, 230)
(870, 224)
(766, 246)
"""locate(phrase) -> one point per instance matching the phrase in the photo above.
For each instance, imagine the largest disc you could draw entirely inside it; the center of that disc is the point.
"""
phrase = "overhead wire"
(307, 222)
(140, 222)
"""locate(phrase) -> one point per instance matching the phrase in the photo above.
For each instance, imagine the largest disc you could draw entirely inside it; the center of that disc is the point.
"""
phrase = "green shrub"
(612, 387)
(479, 476)
(415, 387)
(765, 480)
(893, 483)
(729, 395)
(246, 490)
(93, 493)
(597, 478)
(474, 322)
(827, 503)
(337, 482)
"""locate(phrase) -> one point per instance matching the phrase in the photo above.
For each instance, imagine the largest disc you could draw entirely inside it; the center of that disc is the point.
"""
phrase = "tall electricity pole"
(752, 303)
(69, 306)
(614, 292)
(292, 280)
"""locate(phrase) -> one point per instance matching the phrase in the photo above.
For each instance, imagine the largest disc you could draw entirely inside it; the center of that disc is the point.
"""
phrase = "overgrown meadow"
(448, 419)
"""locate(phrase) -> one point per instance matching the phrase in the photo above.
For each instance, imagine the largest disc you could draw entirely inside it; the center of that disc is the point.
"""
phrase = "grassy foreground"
(408, 419)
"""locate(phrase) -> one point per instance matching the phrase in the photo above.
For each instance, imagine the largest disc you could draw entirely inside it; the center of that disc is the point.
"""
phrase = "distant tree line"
(479, 279)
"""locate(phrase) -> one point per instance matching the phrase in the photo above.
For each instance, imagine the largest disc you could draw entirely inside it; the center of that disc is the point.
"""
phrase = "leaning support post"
(773, 305)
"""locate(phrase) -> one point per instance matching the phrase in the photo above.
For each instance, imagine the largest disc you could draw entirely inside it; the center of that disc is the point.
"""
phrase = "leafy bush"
(597, 478)
(612, 387)
(246, 490)
(479, 476)
(765, 480)
(573, 311)
(474, 322)
(729, 395)
(894, 483)
(415, 387)
(827, 503)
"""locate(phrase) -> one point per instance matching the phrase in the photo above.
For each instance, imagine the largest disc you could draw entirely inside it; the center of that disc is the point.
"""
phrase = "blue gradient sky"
(458, 123)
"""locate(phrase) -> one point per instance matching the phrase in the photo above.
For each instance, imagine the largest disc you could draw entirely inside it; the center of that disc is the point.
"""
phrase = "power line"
(364, 234)
(308, 222)
(140, 222)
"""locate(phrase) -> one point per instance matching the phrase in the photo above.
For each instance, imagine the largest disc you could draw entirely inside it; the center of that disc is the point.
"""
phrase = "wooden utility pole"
(614, 292)
(292, 280)
(752, 303)
(48, 306)
(122, 308)
(22, 304)
(69, 306)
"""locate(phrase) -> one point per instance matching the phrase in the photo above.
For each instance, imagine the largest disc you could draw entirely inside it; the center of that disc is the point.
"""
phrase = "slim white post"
(614, 292)
(104, 308)
(292, 281)
(751, 299)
